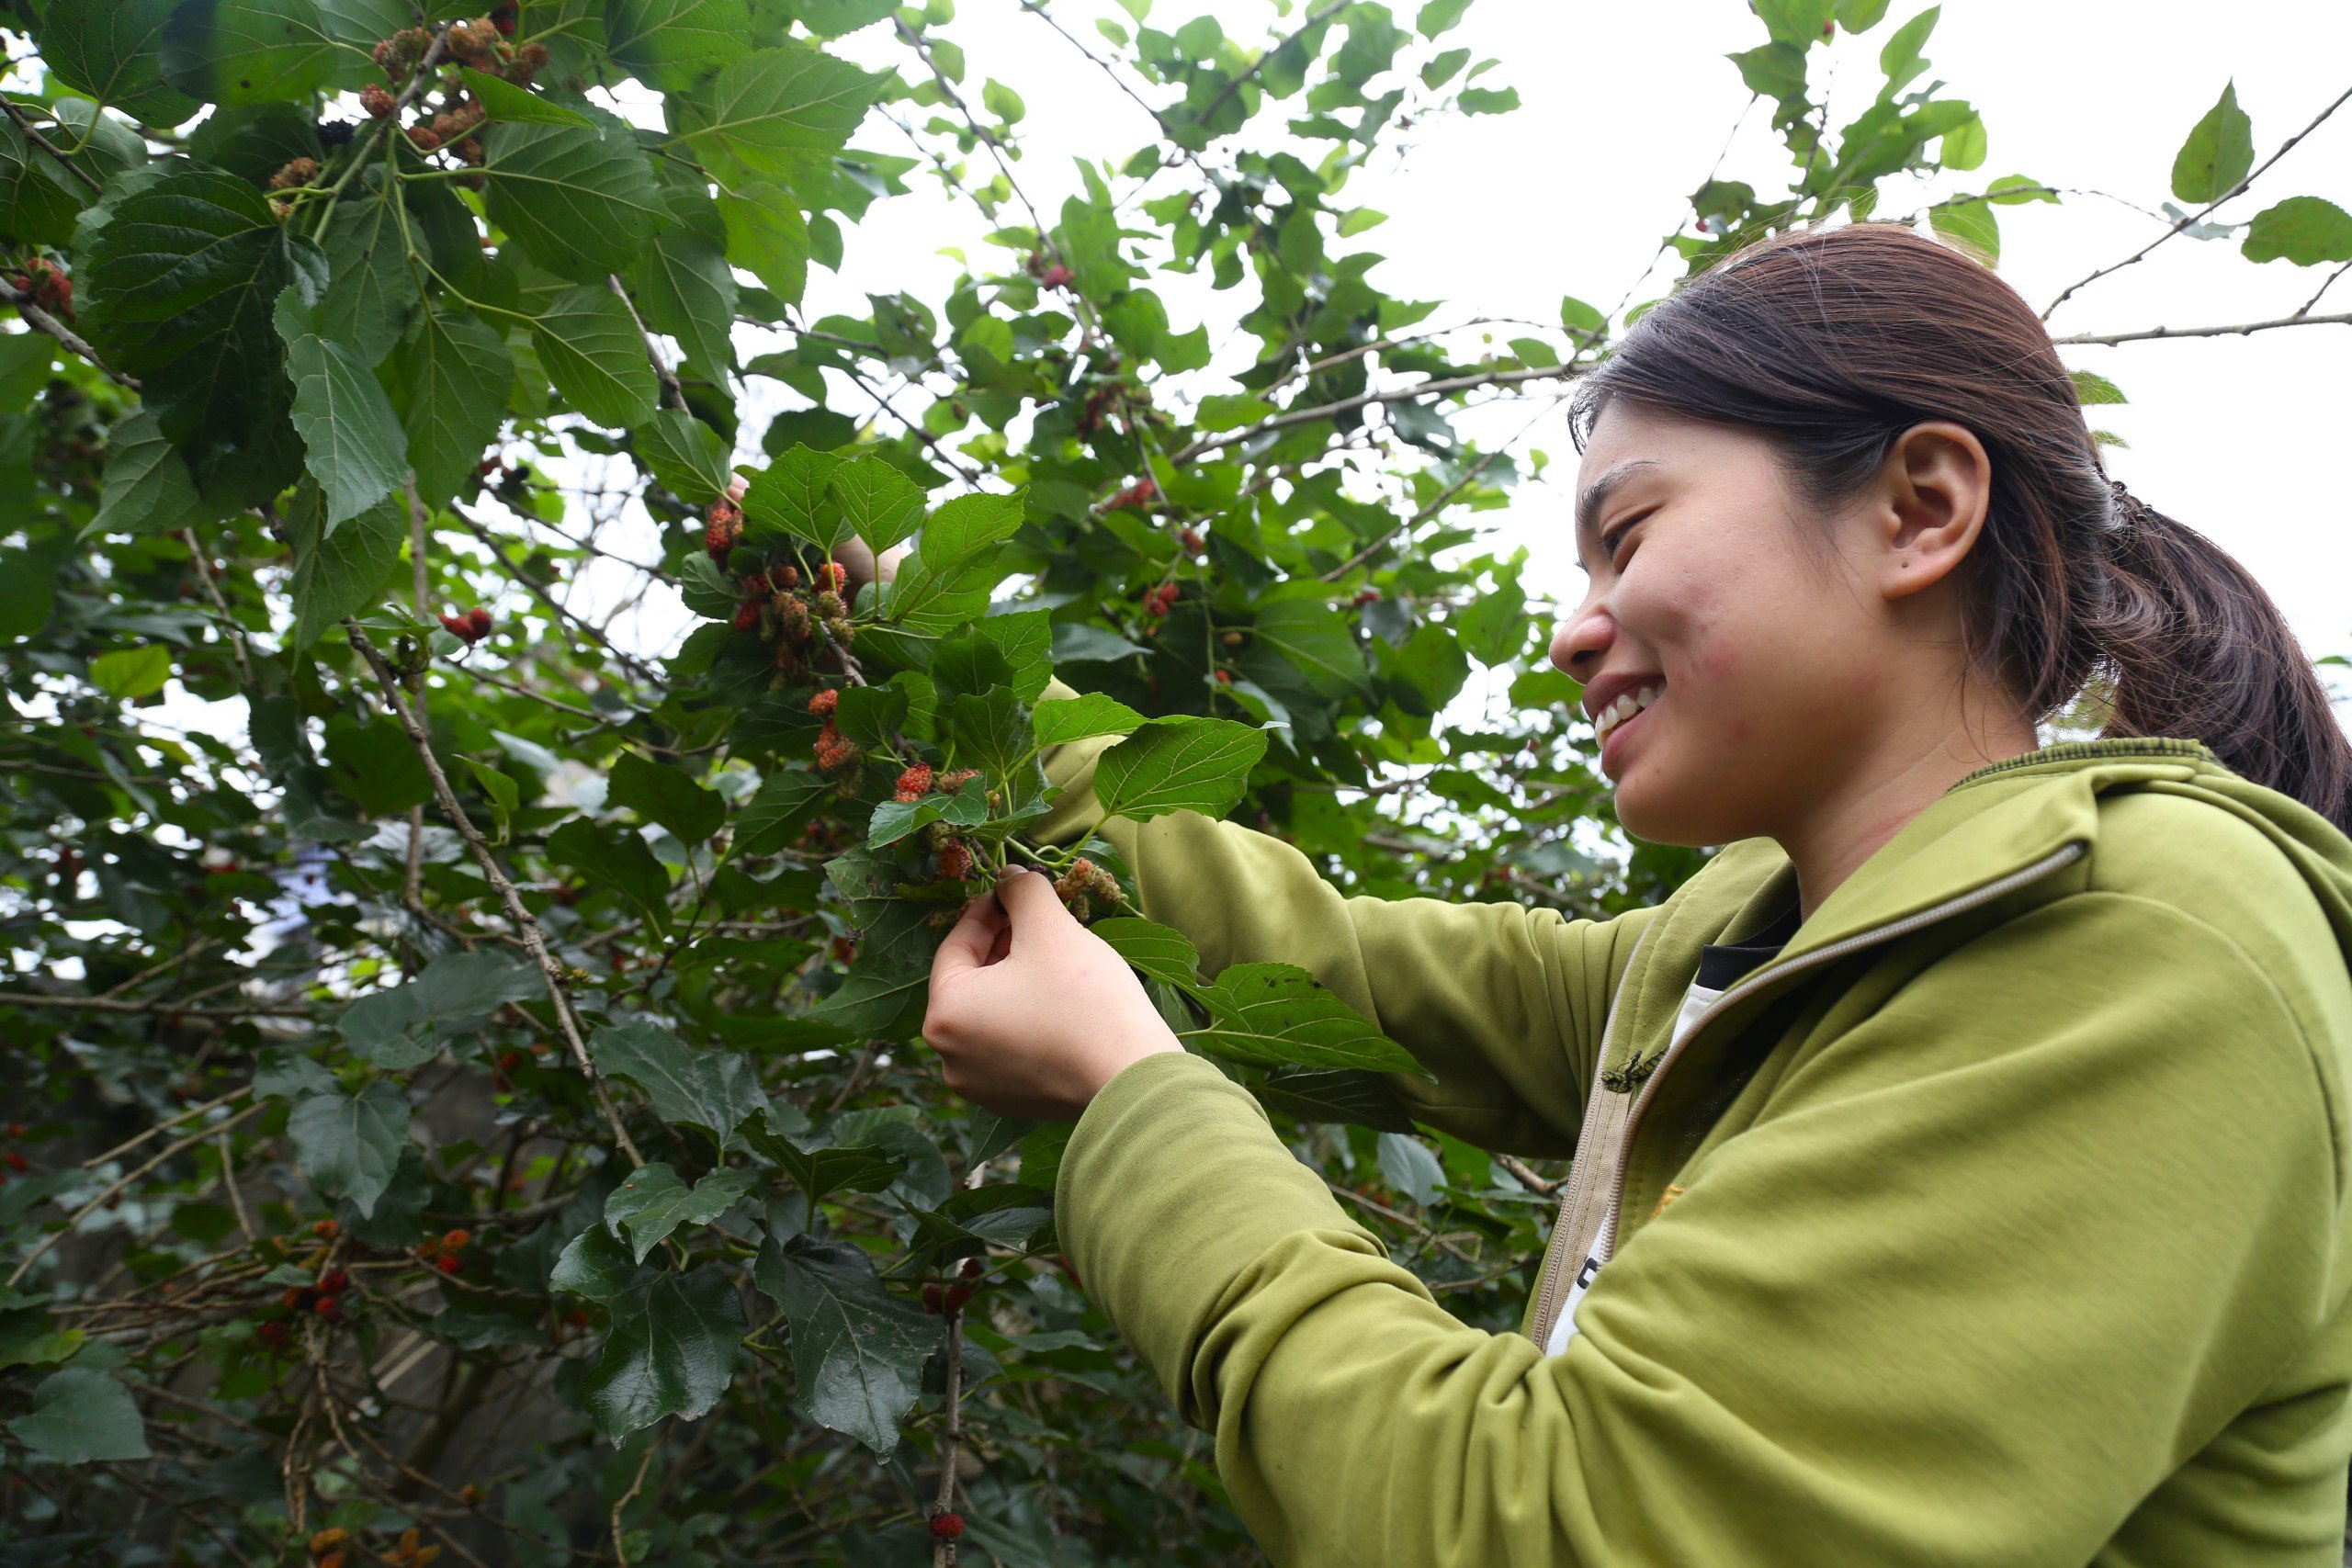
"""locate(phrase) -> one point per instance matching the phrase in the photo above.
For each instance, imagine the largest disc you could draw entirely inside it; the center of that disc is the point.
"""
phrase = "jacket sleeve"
(1504, 1004)
(1999, 1258)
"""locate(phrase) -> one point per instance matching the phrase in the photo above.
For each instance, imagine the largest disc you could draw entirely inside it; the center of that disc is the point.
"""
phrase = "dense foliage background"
(471, 1110)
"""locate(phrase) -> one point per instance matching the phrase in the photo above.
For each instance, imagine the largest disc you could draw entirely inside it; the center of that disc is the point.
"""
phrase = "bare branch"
(44, 142)
(2185, 222)
(41, 320)
(671, 396)
(1258, 65)
(525, 922)
(2241, 330)
(635, 666)
(1401, 395)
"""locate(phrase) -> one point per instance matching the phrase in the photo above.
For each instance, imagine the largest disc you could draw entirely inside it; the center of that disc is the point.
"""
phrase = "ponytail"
(2193, 646)
(1831, 343)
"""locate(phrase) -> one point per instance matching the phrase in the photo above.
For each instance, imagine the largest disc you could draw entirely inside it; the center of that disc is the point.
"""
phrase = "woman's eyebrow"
(1589, 503)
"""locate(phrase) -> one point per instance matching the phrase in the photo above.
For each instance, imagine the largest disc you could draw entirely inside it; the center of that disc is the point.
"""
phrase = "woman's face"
(1777, 680)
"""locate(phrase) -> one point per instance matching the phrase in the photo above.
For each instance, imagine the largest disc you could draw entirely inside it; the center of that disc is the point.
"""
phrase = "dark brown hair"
(1830, 342)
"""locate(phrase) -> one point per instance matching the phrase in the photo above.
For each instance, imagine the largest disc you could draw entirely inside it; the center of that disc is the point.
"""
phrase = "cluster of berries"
(44, 283)
(295, 171)
(1055, 275)
(481, 44)
(836, 753)
(798, 621)
(1138, 495)
(939, 1300)
(1158, 602)
(446, 1255)
(1086, 890)
(325, 1298)
(1191, 541)
(330, 1549)
(470, 627)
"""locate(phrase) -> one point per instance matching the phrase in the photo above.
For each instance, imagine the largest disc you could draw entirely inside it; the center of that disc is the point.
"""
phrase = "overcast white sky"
(1625, 109)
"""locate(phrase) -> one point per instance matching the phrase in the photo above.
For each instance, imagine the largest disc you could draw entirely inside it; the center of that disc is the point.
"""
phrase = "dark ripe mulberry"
(338, 132)
(914, 784)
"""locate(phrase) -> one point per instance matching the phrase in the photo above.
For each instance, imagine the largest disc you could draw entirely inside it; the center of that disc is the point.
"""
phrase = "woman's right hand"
(856, 557)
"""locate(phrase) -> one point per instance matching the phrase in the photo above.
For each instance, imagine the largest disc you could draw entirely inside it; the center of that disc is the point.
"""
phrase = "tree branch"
(637, 667)
(41, 320)
(1403, 395)
(525, 922)
(2185, 222)
(2241, 330)
(671, 396)
(1258, 64)
(44, 142)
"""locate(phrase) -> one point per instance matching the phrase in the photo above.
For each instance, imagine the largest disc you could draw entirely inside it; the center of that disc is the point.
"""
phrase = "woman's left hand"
(1031, 1012)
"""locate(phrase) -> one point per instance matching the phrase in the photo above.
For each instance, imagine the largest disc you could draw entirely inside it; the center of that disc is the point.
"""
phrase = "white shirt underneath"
(1564, 1329)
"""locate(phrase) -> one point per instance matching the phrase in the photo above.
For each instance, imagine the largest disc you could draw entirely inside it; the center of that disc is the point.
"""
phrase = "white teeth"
(1625, 708)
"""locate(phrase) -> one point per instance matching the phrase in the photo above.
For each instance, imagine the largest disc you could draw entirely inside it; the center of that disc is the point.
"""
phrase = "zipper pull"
(1629, 1077)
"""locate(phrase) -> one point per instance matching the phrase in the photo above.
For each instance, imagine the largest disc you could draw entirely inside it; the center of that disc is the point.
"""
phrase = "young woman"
(1959, 1156)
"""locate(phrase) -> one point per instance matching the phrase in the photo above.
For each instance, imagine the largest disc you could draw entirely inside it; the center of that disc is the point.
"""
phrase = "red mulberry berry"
(956, 860)
(449, 1263)
(504, 20)
(335, 1281)
(822, 703)
(15, 1162)
(421, 137)
(276, 1331)
(915, 783)
(377, 101)
(946, 1526)
(295, 172)
(787, 576)
(479, 618)
(833, 577)
(747, 615)
(1057, 277)
(722, 528)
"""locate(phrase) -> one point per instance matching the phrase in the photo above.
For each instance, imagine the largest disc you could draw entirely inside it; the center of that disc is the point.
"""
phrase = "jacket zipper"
(1985, 893)
(1579, 1178)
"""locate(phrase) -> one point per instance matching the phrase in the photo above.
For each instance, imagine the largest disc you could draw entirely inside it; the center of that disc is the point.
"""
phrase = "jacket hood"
(1999, 827)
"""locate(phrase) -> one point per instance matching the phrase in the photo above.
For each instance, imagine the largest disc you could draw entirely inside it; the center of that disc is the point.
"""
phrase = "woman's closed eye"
(1609, 540)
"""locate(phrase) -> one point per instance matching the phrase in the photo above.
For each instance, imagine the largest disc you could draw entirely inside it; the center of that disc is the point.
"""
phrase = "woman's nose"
(1580, 641)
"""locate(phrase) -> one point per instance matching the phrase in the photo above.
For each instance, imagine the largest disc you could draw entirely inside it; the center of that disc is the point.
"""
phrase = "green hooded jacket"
(1997, 1221)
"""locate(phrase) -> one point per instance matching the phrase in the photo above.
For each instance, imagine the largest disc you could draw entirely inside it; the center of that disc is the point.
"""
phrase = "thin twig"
(1401, 395)
(2182, 223)
(42, 321)
(1525, 1176)
(1258, 64)
(2238, 330)
(44, 142)
(621, 1551)
(1439, 501)
(638, 667)
(109, 1004)
(943, 1555)
(671, 396)
(524, 921)
(236, 633)
(86, 1209)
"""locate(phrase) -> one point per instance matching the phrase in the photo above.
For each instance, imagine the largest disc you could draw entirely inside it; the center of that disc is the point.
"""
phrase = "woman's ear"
(1929, 506)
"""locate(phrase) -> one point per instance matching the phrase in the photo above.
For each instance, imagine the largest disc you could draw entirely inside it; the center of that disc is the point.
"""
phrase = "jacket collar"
(1996, 824)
